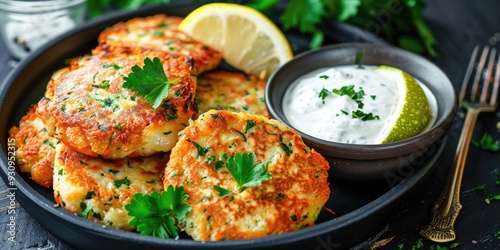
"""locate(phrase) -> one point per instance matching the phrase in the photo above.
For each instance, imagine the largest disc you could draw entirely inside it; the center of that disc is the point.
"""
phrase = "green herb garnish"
(104, 84)
(89, 195)
(348, 90)
(103, 127)
(222, 191)
(250, 124)
(119, 183)
(285, 147)
(245, 172)
(220, 161)
(47, 142)
(364, 116)
(406, 27)
(158, 33)
(150, 81)
(86, 209)
(201, 150)
(113, 171)
(480, 187)
(323, 94)
(359, 58)
(157, 214)
(487, 143)
(488, 197)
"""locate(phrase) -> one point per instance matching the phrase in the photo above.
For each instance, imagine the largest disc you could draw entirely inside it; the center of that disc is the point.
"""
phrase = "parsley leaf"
(323, 94)
(481, 187)
(245, 172)
(349, 9)
(285, 147)
(89, 195)
(47, 142)
(156, 214)
(250, 124)
(406, 26)
(86, 210)
(359, 58)
(487, 143)
(119, 183)
(222, 191)
(306, 16)
(348, 90)
(364, 116)
(202, 151)
(150, 81)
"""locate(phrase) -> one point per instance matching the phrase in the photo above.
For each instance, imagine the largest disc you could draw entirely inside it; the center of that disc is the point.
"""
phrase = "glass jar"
(26, 25)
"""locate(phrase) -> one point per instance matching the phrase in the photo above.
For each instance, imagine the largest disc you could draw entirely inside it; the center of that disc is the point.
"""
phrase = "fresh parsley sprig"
(399, 22)
(356, 96)
(486, 143)
(156, 214)
(323, 94)
(150, 81)
(405, 26)
(245, 171)
(364, 116)
(348, 90)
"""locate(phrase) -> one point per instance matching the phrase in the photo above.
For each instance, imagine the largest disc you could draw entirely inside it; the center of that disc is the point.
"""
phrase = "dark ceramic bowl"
(369, 162)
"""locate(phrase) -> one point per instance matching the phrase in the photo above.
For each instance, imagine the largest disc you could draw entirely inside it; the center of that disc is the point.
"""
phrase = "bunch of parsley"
(398, 21)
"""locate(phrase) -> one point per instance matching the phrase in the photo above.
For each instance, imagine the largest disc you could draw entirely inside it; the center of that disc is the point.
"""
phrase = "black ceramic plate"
(360, 211)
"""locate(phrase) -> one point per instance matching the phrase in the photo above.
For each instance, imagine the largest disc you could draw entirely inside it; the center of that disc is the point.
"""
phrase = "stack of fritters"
(97, 143)
(106, 130)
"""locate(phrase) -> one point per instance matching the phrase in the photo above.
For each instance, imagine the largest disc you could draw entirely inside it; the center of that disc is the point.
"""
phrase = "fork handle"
(446, 209)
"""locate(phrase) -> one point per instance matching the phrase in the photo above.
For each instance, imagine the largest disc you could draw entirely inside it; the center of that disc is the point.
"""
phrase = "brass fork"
(485, 85)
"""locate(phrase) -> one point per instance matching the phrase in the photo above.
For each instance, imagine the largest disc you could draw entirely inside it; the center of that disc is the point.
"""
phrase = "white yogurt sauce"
(332, 120)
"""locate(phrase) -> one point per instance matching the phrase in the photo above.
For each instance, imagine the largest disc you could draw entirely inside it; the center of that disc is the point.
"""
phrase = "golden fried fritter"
(86, 107)
(231, 91)
(99, 189)
(160, 32)
(35, 148)
(290, 200)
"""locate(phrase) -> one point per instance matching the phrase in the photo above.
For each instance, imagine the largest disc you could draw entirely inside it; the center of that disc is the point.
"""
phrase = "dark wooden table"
(458, 26)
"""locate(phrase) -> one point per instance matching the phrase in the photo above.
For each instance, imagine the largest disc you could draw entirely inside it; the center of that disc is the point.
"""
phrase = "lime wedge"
(413, 113)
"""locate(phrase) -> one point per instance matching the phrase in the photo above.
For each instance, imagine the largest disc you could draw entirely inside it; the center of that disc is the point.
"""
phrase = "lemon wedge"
(413, 112)
(246, 38)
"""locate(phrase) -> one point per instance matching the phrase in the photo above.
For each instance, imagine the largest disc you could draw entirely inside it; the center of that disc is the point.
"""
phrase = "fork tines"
(486, 69)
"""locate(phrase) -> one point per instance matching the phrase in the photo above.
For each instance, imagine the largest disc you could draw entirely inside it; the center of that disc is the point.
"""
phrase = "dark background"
(458, 26)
